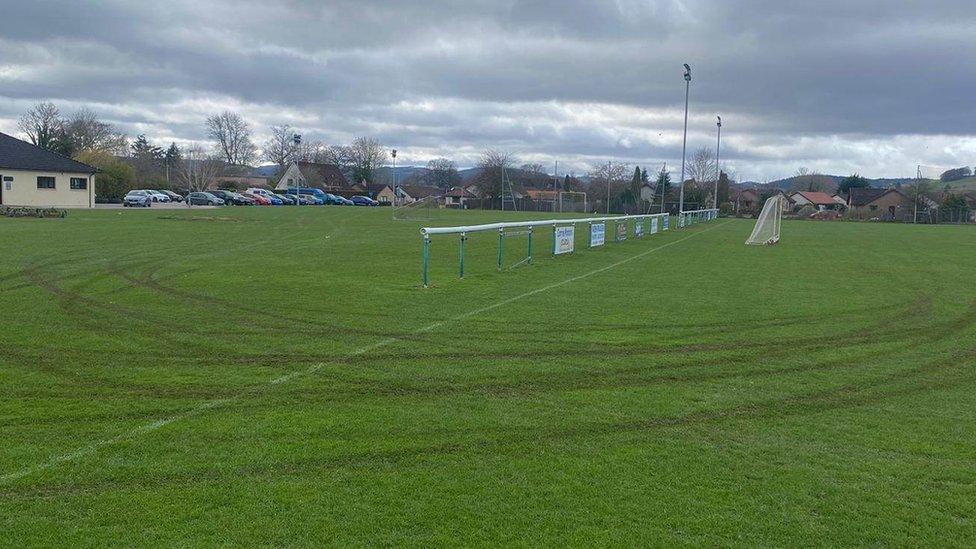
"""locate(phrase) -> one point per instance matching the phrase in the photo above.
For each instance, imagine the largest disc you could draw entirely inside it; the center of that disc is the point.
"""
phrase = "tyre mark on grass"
(210, 405)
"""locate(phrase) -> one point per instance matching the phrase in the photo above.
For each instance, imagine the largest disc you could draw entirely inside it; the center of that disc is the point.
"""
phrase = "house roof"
(322, 175)
(862, 196)
(375, 188)
(539, 194)
(817, 198)
(460, 192)
(420, 191)
(21, 155)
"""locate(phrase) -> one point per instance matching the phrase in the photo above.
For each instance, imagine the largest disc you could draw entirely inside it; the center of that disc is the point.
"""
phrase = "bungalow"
(820, 201)
(887, 204)
(458, 197)
(413, 193)
(34, 176)
(327, 177)
(381, 193)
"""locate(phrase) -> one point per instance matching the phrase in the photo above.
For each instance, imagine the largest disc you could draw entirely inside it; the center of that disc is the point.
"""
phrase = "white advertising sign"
(653, 225)
(598, 234)
(565, 240)
(638, 228)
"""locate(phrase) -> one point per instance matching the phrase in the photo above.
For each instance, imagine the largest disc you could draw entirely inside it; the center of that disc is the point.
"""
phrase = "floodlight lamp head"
(720, 121)
(394, 153)
(687, 72)
(297, 139)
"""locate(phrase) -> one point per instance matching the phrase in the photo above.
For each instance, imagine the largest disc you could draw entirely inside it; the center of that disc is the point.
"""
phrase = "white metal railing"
(685, 219)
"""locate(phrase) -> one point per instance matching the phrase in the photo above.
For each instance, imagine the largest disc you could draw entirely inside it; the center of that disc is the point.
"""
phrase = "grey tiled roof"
(21, 155)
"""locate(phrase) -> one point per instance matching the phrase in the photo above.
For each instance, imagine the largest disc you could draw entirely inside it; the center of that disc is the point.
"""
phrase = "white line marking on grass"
(211, 404)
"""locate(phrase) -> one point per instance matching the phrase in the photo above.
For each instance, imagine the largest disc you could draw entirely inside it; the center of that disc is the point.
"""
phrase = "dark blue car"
(364, 201)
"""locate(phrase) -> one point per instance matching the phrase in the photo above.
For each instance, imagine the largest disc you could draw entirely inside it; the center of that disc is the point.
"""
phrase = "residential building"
(886, 204)
(818, 200)
(34, 176)
(327, 177)
(459, 197)
(413, 193)
(383, 194)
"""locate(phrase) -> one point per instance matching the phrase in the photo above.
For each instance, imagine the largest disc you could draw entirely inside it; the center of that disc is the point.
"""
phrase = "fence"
(563, 233)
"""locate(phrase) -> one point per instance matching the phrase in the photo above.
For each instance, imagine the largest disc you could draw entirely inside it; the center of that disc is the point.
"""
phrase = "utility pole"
(718, 169)
(608, 186)
(396, 187)
(297, 140)
(684, 141)
(664, 171)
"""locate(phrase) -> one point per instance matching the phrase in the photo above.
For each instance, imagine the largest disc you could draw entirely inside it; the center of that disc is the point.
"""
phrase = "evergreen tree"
(147, 159)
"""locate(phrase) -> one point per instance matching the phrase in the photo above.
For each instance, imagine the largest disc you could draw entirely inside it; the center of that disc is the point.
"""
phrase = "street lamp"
(396, 190)
(684, 141)
(297, 140)
(718, 169)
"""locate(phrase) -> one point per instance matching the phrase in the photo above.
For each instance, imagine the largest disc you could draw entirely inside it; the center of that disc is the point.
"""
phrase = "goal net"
(767, 226)
(419, 209)
(571, 201)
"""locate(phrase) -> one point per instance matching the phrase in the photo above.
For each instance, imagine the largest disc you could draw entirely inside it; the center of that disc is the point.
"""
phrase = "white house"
(34, 176)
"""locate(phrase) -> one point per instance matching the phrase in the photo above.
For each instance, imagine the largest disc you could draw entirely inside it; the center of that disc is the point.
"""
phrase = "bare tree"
(43, 125)
(608, 179)
(812, 181)
(337, 155)
(233, 137)
(443, 173)
(198, 169)
(701, 167)
(280, 147)
(86, 132)
(492, 168)
(534, 167)
(366, 155)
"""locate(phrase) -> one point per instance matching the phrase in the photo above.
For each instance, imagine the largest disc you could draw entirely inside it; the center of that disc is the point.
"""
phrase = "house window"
(45, 182)
(874, 207)
(79, 183)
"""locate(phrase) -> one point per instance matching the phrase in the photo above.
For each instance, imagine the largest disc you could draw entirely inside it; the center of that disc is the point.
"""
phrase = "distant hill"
(881, 183)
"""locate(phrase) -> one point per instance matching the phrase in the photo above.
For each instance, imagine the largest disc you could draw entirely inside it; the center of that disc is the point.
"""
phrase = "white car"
(158, 196)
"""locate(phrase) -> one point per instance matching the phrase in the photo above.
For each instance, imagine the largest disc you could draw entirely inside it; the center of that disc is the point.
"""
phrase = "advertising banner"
(667, 219)
(638, 228)
(653, 225)
(598, 234)
(565, 239)
(621, 231)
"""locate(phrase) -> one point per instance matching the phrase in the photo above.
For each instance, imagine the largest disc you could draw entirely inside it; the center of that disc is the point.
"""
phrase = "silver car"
(135, 199)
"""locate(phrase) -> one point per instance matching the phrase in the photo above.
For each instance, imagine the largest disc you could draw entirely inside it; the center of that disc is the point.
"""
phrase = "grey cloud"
(577, 79)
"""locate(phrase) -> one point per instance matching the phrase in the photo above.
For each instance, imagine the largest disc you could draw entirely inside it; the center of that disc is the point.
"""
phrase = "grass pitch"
(278, 376)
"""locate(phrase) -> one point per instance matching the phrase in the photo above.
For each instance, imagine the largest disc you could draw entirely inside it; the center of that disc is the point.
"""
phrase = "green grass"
(679, 389)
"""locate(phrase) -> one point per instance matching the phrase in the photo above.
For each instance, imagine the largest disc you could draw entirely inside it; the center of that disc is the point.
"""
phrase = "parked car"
(203, 199)
(320, 196)
(364, 201)
(286, 199)
(258, 199)
(345, 201)
(334, 199)
(134, 199)
(158, 196)
(231, 198)
(173, 196)
(309, 200)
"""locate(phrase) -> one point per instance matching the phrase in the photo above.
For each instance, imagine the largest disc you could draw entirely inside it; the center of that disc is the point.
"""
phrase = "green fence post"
(530, 244)
(426, 258)
(461, 251)
(501, 247)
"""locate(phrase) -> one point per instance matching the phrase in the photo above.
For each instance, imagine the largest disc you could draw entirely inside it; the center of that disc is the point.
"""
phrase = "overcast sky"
(833, 85)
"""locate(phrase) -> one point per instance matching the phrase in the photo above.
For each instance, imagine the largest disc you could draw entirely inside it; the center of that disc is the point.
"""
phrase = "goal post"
(766, 231)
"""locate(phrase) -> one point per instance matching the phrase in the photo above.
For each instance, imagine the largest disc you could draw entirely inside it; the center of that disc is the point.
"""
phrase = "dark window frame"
(46, 179)
(79, 183)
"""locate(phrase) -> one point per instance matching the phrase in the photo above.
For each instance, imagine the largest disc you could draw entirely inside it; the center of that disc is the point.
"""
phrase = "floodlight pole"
(684, 144)
(395, 189)
(297, 140)
(609, 163)
(718, 169)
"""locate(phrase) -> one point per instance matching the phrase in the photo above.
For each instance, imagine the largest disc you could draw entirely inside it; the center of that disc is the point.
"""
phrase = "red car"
(258, 199)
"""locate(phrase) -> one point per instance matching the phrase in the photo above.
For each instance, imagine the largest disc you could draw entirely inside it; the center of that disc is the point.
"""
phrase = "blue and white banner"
(653, 225)
(667, 220)
(638, 228)
(598, 234)
(565, 240)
